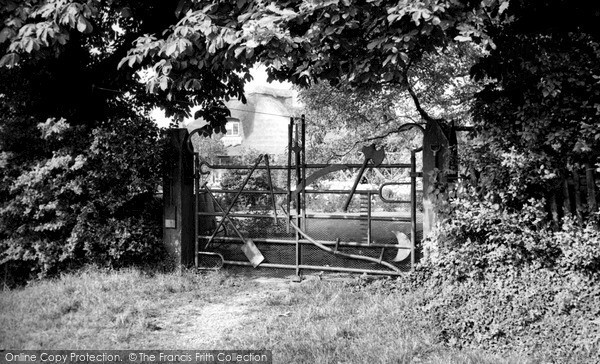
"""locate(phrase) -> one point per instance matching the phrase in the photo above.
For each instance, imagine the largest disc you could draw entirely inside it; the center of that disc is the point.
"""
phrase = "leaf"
(171, 48)
(122, 62)
(167, 68)
(5, 34)
(29, 45)
(164, 83)
(462, 38)
(390, 58)
(374, 44)
(83, 25)
(404, 57)
(9, 60)
(238, 51)
(131, 60)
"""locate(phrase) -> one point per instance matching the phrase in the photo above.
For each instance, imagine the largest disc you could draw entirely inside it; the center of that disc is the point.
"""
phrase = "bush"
(539, 312)
(479, 236)
(506, 279)
(91, 198)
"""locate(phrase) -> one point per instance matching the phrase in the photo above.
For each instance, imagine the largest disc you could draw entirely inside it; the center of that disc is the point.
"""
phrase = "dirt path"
(193, 325)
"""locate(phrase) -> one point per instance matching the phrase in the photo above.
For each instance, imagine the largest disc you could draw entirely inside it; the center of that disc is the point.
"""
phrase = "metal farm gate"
(272, 216)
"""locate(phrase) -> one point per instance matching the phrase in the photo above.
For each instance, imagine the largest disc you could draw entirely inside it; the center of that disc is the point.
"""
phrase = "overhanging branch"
(424, 115)
(401, 128)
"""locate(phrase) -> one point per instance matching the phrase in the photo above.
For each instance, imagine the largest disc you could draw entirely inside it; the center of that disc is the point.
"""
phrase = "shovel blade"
(252, 253)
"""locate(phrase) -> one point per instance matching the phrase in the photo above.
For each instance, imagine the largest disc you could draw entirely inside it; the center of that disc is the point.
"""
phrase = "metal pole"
(298, 200)
(196, 209)
(369, 218)
(413, 208)
(269, 241)
(303, 173)
(289, 169)
(316, 267)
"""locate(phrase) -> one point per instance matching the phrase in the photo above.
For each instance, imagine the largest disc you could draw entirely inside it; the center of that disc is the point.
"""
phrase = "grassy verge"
(102, 310)
(330, 322)
(317, 321)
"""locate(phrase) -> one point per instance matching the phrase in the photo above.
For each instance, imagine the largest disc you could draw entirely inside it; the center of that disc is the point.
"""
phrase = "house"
(261, 124)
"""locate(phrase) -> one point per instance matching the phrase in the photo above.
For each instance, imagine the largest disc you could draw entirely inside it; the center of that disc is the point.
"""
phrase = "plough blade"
(403, 241)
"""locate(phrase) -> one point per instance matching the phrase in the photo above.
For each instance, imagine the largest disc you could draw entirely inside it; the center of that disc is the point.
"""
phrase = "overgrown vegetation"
(501, 274)
(89, 198)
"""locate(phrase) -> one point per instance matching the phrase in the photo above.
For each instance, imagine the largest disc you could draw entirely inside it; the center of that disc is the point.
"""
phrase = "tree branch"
(378, 137)
(424, 115)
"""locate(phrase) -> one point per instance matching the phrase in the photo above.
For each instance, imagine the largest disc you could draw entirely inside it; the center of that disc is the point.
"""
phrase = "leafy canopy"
(204, 55)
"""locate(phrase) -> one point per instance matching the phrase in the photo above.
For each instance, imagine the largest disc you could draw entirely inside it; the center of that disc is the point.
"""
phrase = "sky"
(260, 80)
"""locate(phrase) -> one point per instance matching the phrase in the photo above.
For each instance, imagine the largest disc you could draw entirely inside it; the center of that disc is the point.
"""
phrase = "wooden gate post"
(438, 153)
(178, 195)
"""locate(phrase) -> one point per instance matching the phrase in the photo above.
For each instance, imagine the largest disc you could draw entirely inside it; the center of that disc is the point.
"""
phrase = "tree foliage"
(367, 44)
(78, 158)
(85, 202)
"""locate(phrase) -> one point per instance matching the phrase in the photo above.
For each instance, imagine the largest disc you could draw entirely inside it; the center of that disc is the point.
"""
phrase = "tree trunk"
(591, 187)
(566, 197)
(553, 207)
(578, 204)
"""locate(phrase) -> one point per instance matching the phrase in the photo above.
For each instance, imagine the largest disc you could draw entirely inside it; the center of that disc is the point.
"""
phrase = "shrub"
(477, 236)
(504, 279)
(91, 198)
(540, 312)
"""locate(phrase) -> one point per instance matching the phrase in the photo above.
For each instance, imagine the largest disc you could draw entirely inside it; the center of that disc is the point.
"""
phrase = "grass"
(333, 323)
(99, 310)
(312, 322)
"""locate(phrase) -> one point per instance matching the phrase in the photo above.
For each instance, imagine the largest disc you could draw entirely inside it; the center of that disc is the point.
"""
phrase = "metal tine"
(356, 181)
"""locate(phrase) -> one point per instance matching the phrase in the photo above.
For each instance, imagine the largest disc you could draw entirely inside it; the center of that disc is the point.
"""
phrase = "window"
(233, 128)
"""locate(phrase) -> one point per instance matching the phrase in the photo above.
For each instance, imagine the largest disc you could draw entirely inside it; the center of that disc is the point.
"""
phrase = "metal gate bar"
(313, 216)
(352, 244)
(315, 267)
(308, 165)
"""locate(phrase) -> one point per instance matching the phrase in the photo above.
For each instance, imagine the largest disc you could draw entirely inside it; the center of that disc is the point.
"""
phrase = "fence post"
(438, 153)
(178, 195)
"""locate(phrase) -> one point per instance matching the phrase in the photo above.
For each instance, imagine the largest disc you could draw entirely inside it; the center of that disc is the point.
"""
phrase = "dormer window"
(233, 127)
